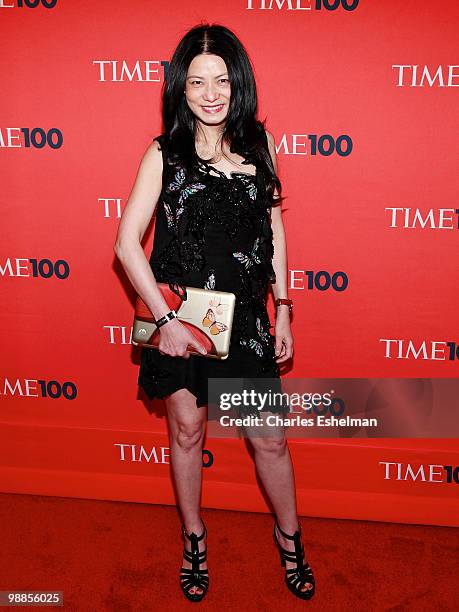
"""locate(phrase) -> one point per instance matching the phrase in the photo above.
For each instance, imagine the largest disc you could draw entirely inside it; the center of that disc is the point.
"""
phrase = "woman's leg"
(275, 470)
(187, 425)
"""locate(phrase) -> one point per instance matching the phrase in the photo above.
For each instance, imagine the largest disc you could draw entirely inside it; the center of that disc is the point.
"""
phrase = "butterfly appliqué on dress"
(171, 222)
(210, 282)
(251, 187)
(177, 185)
(254, 344)
(249, 260)
(261, 332)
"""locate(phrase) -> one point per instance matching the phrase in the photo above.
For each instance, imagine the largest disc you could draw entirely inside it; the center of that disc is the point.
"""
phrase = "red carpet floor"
(125, 557)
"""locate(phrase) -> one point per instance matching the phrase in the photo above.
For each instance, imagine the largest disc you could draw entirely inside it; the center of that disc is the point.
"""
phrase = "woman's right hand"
(175, 338)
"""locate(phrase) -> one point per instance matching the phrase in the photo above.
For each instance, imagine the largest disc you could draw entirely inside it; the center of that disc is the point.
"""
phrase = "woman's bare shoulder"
(152, 159)
(272, 148)
(270, 138)
(155, 147)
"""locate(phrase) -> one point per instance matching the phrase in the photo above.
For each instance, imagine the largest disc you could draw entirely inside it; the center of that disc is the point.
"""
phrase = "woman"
(218, 226)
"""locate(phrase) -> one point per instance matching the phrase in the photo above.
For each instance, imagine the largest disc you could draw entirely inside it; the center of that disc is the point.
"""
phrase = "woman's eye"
(199, 82)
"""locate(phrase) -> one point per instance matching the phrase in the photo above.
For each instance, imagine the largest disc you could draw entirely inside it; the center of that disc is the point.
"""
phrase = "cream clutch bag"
(206, 313)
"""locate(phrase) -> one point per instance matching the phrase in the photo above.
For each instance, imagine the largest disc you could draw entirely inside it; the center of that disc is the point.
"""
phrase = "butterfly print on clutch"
(215, 301)
(249, 260)
(217, 305)
(215, 327)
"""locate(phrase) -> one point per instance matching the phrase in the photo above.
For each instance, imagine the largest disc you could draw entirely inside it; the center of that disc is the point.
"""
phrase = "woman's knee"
(188, 434)
(270, 445)
(186, 420)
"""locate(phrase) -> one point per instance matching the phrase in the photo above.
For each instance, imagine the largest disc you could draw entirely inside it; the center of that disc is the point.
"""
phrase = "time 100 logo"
(49, 4)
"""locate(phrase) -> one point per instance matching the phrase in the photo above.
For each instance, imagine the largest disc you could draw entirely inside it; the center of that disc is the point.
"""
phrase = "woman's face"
(208, 89)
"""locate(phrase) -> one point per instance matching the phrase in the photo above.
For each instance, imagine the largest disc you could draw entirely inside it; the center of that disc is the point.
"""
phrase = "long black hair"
(243, 132)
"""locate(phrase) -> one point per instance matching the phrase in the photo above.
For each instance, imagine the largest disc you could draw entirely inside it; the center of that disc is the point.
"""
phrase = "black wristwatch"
(166, 318)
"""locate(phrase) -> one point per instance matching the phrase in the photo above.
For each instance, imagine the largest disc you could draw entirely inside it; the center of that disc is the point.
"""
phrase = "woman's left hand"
(283, 334)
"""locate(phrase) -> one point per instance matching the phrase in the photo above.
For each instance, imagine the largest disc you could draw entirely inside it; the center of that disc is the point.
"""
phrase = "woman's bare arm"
(279, 240)
(135, 219)
(283, 333)
(137, 214)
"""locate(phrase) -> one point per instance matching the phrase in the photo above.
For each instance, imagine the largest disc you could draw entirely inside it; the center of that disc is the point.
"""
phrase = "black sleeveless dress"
(214, 232)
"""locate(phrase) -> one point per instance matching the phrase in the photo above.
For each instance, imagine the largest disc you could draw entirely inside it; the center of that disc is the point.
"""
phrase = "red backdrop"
(367, 154)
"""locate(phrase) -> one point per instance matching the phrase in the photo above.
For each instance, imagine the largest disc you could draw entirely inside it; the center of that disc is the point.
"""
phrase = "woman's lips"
(212, 110)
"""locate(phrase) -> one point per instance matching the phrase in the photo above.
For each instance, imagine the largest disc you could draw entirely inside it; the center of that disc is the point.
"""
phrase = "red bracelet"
(286, 301)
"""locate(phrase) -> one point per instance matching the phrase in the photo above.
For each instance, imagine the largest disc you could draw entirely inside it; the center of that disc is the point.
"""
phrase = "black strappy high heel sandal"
(194, 577)
(296, 577)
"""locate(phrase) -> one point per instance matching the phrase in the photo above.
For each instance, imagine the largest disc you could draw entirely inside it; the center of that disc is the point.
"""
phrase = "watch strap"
(286, 301)
(166, 318)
